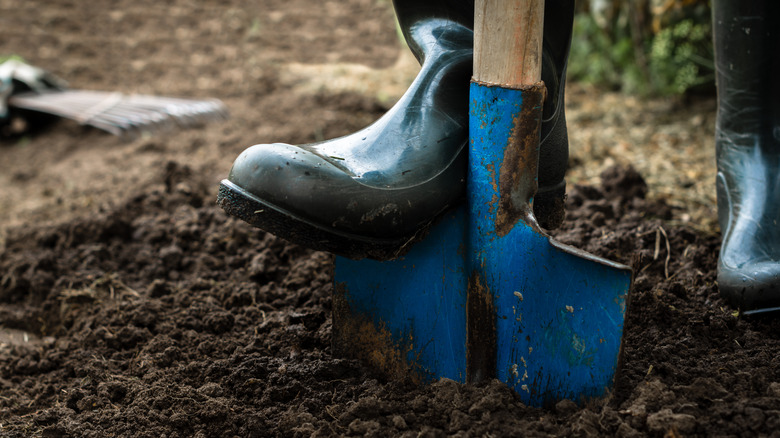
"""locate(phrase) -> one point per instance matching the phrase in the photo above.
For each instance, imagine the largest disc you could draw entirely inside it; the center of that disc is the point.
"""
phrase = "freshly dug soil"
(131, 305)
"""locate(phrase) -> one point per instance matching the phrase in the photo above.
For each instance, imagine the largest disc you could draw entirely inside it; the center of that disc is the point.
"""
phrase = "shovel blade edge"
(559, 316)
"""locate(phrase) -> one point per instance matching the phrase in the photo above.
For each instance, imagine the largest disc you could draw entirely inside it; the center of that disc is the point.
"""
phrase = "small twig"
(657, 243)
(328, 410)
(668, 251)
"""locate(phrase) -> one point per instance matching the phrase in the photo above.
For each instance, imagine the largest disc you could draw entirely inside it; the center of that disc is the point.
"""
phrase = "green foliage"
(675, 60)
(681, 57)
(4, 58)
(604, 59)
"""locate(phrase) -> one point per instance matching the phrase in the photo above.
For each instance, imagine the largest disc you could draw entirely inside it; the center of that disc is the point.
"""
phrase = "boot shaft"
(747, 59)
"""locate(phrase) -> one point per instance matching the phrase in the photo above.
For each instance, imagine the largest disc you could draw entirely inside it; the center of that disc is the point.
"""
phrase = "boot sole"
(239, 203)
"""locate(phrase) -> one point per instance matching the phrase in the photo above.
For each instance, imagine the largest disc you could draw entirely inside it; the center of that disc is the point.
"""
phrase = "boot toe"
(301, 185)
(752, 286)
(309, 199)
(288, 177)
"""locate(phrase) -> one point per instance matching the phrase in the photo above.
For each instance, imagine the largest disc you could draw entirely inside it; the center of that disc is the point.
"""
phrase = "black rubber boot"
(747, 46)
(374, 192)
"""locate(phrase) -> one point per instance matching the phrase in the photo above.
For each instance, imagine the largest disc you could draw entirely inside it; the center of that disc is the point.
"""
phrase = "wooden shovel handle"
(508, 42)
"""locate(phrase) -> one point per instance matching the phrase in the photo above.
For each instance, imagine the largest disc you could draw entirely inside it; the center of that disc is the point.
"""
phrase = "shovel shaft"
(506, 98)
(508, 42)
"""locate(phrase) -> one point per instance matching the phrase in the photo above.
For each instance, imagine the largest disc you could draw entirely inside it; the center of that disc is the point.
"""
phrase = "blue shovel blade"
(559, 315)
(557, 333)
(407, 316)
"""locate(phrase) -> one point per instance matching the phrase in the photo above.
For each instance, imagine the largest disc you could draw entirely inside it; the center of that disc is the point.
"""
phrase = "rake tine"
(109, 126)
(186, 107)
(118, 115)
(184, 112)
(139, 116)
(116, 120)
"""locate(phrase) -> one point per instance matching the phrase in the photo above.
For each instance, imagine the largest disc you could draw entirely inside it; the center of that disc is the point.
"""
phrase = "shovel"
(487, 294)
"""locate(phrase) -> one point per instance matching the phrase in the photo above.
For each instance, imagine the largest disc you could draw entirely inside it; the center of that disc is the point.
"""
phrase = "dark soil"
(131, 305)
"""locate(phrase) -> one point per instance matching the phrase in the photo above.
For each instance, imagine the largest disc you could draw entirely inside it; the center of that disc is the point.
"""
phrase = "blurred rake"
(118, 113)
(24, 88)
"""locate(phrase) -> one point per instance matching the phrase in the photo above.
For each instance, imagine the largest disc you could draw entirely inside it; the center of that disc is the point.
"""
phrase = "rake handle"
(508, 42)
